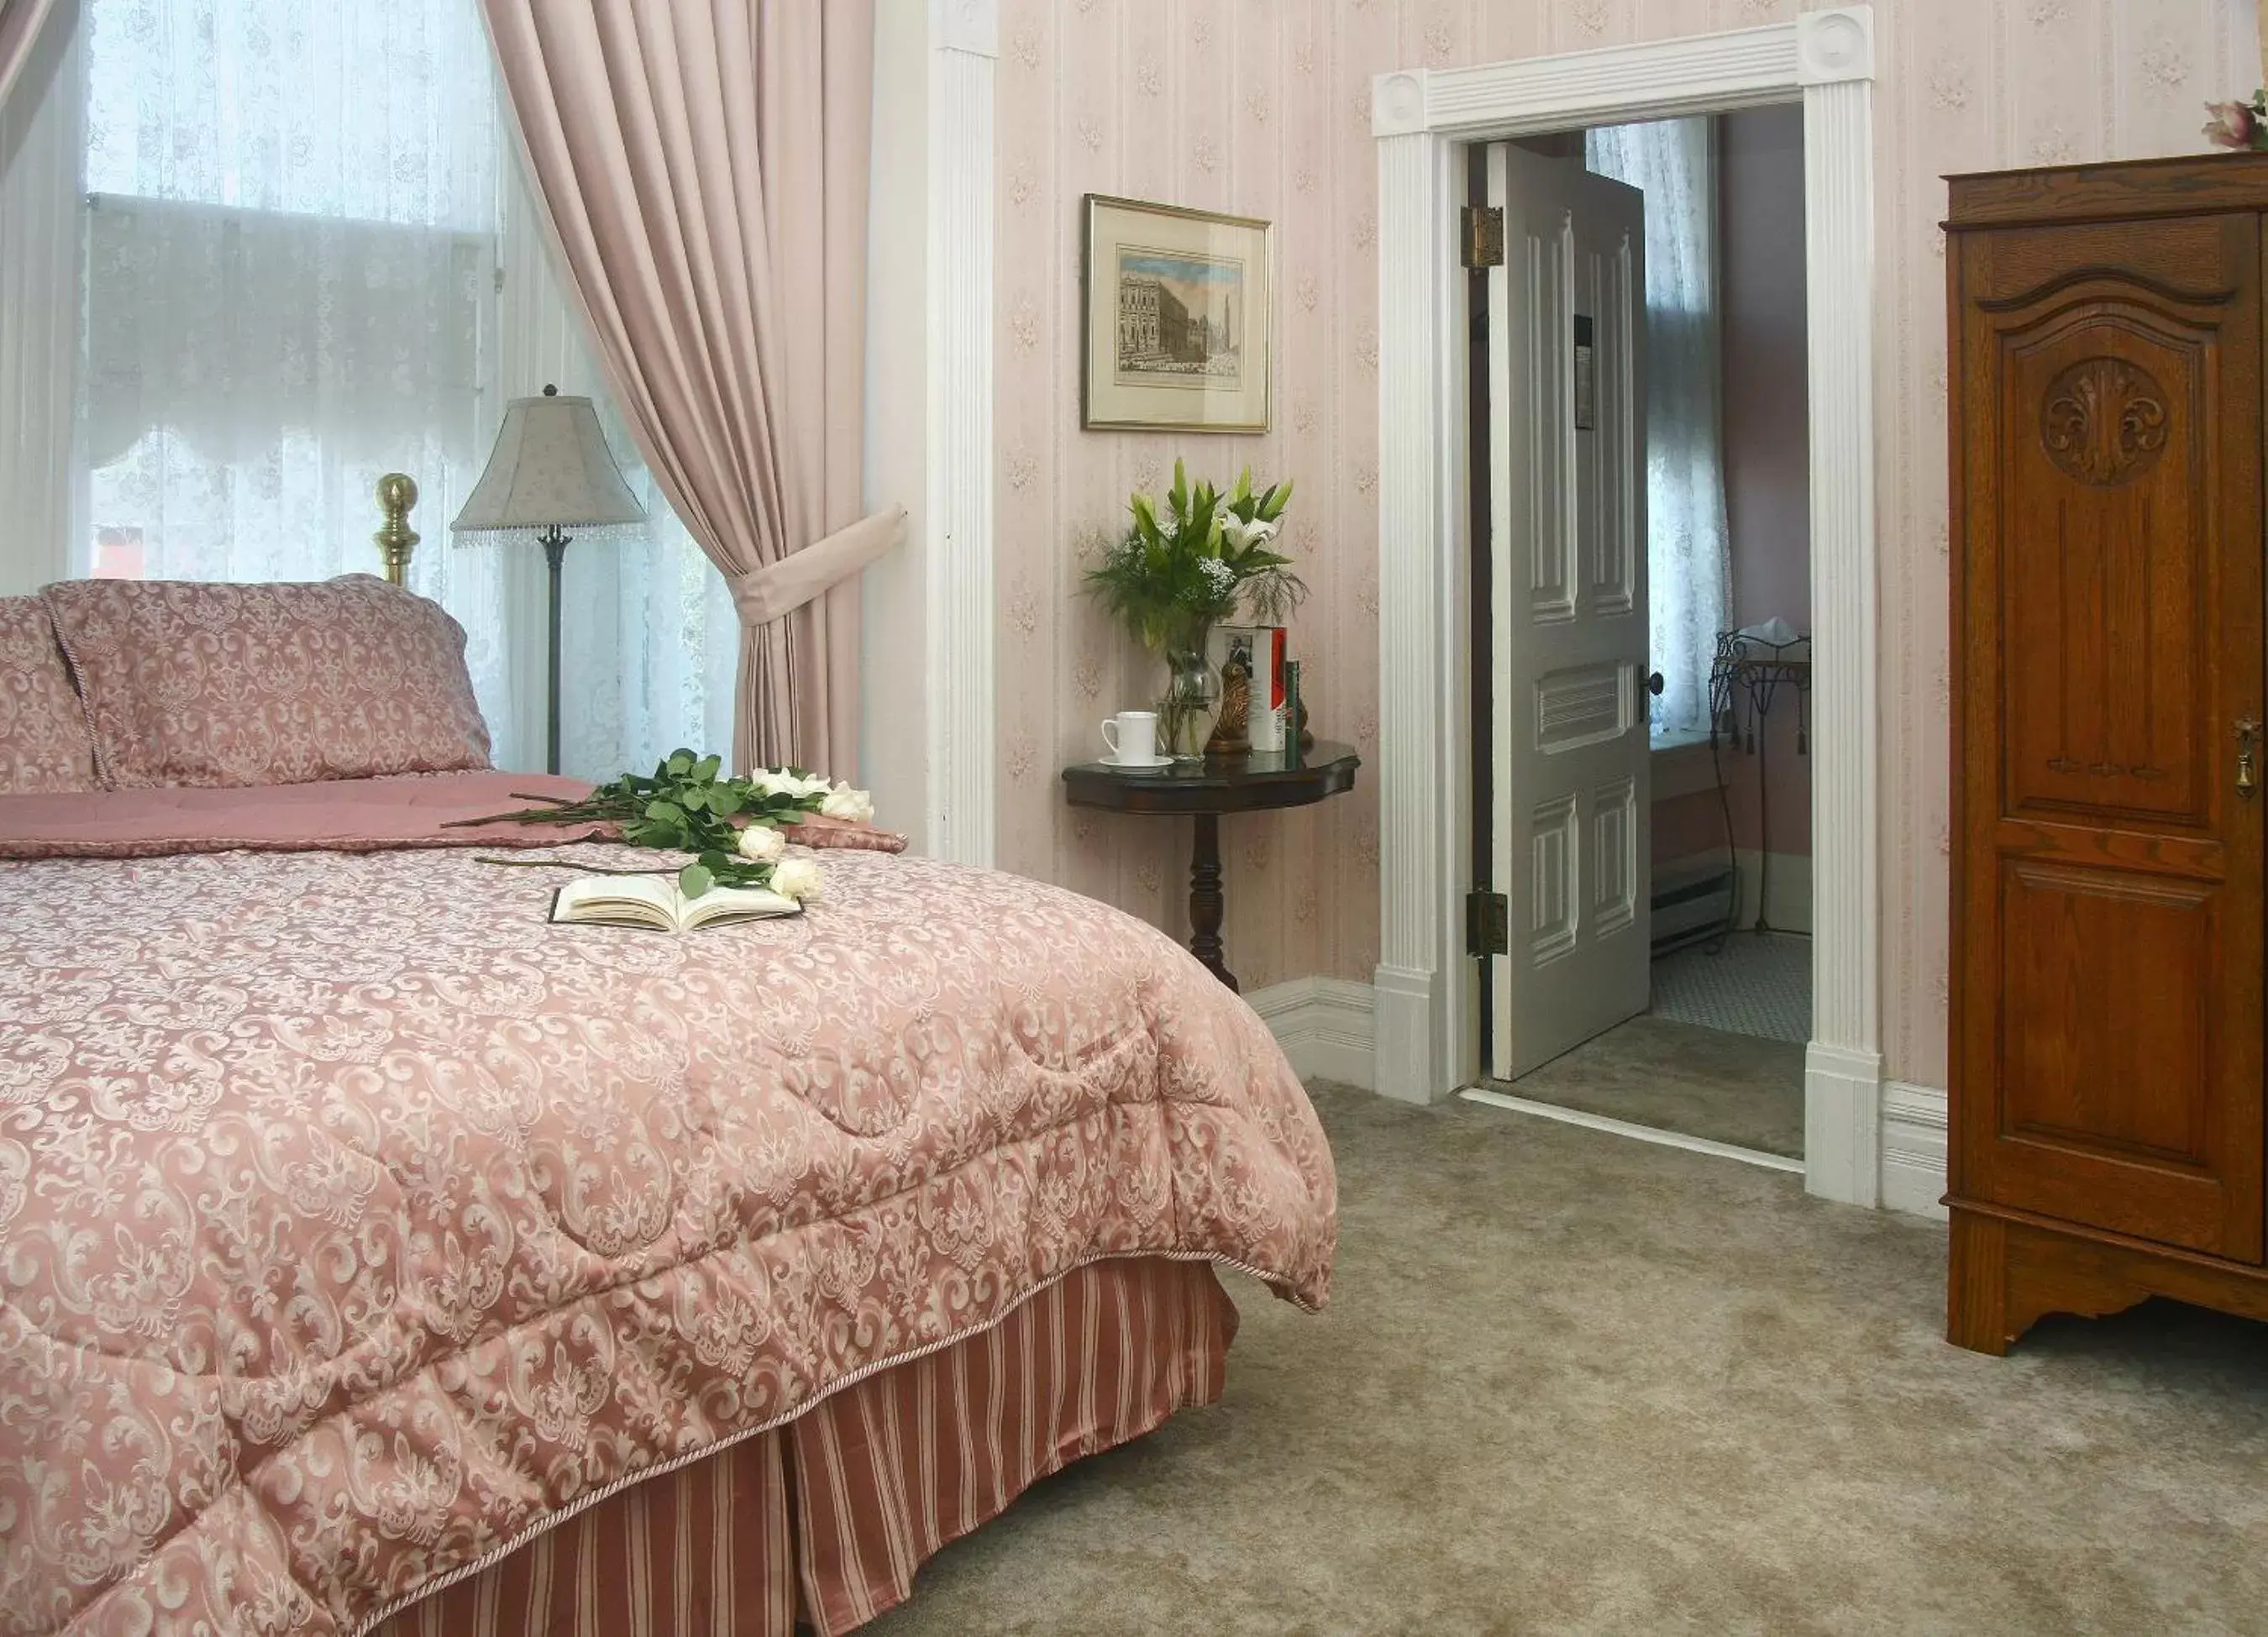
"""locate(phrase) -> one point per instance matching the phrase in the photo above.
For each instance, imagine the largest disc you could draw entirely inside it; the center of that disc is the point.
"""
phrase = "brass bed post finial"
(397, 492)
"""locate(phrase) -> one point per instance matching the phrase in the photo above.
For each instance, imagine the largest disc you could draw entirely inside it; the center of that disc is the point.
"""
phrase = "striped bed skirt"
(826, 1520)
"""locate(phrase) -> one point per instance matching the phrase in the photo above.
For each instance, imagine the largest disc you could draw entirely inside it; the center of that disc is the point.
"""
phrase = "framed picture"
(1181, 315)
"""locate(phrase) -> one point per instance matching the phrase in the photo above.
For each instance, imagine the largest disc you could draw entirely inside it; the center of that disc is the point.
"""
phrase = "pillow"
(223, 686)
(44, 746)
(815, 829)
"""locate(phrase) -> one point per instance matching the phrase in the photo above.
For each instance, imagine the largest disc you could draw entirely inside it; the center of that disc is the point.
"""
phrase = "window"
(308, 265)
(1688, 557)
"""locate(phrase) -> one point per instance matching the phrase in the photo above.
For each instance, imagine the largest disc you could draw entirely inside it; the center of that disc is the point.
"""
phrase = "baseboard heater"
(1691, 905)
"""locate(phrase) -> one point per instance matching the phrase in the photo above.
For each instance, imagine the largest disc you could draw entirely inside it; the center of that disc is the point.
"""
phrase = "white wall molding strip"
(962, 783)
(1425, 1037)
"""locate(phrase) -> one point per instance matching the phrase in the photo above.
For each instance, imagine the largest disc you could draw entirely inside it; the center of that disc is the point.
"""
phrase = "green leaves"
(1164, 575)
(684, 808)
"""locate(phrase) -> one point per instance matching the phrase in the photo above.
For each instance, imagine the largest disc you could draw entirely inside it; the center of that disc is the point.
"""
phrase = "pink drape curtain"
(20, 22)
(704, 166)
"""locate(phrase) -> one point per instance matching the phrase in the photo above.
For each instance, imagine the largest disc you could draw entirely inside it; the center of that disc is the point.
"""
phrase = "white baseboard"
(1843, 1123)
(1402, 1012)
(1323, 1025)
(1913, 1148)
(1327, 1029)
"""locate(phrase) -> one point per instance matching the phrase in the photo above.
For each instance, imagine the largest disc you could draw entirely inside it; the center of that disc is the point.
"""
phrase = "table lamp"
(550, 471)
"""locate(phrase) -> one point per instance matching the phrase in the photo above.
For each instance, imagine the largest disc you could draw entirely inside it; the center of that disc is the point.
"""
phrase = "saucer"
(1150, 766)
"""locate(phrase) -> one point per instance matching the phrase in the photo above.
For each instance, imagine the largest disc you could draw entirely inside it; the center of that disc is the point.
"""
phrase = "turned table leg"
(1206, 902)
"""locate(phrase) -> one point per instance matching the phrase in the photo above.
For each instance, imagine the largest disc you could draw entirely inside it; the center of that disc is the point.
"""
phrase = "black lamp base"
(554, 540)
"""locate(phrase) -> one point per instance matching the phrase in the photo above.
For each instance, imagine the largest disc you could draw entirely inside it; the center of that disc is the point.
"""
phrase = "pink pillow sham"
(222, 686)
(44, 746)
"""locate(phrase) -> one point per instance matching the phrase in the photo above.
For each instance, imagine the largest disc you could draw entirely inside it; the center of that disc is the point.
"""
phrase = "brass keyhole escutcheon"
(2247, 771)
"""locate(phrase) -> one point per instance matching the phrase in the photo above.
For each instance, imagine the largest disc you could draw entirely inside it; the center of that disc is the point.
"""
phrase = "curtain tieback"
(778, 589)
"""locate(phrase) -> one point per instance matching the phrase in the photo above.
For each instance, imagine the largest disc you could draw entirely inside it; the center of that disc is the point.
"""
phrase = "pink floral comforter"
(355, 1223)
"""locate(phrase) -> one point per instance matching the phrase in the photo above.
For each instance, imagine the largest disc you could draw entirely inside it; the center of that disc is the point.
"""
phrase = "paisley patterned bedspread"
(355, 1223)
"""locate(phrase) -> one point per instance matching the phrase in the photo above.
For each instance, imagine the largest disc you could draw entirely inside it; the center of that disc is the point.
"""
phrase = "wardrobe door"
(2108, 627)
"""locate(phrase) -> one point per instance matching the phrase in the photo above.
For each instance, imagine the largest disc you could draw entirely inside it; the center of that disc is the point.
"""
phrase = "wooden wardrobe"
(2105, 349)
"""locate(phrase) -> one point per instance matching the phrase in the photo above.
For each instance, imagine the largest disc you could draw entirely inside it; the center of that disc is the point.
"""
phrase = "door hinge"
(1480, 236)
(1488, 924)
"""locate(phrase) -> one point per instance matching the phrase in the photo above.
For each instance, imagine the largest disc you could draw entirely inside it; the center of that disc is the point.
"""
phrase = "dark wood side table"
(1256, 781)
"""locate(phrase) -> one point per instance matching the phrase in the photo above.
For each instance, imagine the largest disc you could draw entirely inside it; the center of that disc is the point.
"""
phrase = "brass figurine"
(1232, 726)
(397, 492)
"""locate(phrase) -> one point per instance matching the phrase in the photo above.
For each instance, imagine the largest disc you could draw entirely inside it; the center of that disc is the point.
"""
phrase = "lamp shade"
(551, 465)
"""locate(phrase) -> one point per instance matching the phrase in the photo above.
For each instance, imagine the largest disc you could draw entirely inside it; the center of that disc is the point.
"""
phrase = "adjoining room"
(1708, 1044)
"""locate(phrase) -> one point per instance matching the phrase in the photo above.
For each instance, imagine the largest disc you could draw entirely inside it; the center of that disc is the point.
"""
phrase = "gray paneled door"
(1567, 429)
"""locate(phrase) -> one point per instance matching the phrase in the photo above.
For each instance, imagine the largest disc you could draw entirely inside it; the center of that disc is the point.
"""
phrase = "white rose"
(799, 879)
(843, 802)
(817, 785)
(770, 781)
(762, 844)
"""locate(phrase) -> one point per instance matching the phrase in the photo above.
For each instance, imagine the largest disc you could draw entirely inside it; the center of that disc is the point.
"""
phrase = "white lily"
(1244, 535)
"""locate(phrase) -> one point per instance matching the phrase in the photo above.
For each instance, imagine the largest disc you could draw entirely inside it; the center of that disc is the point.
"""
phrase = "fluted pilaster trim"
(1843, 1080)
(962, 784)
(1420, 409)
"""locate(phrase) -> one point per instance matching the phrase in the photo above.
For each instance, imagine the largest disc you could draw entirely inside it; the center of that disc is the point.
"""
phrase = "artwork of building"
(1137, 316)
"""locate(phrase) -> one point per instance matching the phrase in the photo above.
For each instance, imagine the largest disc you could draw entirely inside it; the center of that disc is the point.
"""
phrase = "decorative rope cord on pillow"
(780, 588)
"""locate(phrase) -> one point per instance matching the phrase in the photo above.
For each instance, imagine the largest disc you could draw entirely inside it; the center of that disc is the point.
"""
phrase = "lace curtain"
(307, 267)
(1688, 549)
(649, 621)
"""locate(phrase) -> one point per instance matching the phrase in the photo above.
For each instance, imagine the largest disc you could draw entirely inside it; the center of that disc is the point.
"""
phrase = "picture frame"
(1179, 319)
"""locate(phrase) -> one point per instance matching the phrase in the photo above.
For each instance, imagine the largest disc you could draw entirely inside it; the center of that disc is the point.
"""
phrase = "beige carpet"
(1573, 1382)
(1678, 1077)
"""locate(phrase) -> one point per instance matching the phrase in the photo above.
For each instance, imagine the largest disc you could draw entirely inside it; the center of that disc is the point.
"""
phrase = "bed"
(375, 1256)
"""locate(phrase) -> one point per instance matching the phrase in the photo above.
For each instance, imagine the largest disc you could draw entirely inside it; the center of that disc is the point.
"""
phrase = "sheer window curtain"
(648, 623)
(306, 266)
(1689, 551)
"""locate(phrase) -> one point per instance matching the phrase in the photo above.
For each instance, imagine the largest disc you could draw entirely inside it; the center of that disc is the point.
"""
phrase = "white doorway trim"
(928, 608)
(1426, 1043)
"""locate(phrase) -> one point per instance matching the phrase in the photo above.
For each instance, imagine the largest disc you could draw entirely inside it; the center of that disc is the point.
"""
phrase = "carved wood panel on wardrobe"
(2107, 1045)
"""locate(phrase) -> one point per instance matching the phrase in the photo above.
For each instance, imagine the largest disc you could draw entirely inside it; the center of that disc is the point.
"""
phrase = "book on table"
(657, 903)
(1261, 650)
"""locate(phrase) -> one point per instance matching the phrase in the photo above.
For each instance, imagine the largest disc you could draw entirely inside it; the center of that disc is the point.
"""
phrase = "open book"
(657, 903)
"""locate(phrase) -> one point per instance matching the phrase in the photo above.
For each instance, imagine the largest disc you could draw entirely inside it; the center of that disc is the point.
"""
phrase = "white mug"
(1133, 736)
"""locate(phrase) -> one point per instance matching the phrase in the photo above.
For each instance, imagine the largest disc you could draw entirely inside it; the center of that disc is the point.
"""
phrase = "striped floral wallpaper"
(1263, 107)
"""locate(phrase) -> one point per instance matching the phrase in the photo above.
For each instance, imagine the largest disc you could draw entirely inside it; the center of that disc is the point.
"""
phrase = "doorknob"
(2248, 772)
(1655, 683)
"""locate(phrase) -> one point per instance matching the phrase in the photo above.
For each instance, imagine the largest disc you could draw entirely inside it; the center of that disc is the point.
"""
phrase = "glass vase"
(1189, 705)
